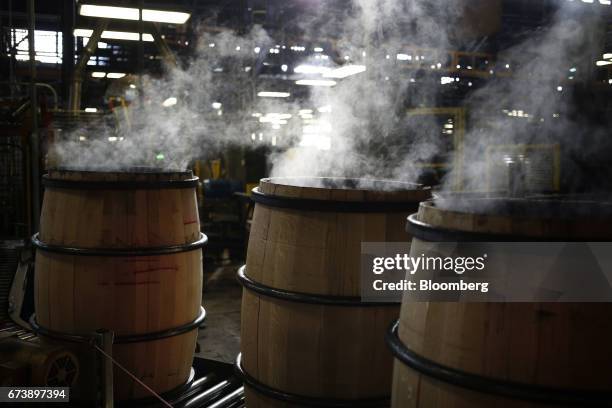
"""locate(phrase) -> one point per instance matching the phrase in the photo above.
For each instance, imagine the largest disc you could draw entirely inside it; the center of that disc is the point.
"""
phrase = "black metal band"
(426, 232)
(119, 252)
(507, 389)
(307, 204)
(300, 297)
(300, 400)
(132, 338)
(119, 185)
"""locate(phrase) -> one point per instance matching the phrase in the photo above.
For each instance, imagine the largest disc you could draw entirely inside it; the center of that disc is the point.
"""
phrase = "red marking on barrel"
(190, 222)
(140, 259)
(168, 268)
(137, 283)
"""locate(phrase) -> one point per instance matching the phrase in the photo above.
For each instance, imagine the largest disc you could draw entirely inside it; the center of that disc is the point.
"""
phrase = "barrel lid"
(343, 189)
(146, 174)
(566, 217)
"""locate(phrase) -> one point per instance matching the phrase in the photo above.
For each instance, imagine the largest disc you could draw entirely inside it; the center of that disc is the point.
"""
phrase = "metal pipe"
(140, 52)
(67, 24)
(230, 399)
(79, 68)
(12, 54)
(34, 143)
(162, 47)
(39, 84)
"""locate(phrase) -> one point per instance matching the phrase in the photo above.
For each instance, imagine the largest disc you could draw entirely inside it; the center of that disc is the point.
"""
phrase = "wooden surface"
(129, 295)
(317, 350)
(562, 345)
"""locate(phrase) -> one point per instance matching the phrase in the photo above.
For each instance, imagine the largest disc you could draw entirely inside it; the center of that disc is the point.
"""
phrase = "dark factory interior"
(306, 203)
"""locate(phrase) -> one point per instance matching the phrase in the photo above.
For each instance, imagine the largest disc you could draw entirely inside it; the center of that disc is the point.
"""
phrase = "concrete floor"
(220, 339)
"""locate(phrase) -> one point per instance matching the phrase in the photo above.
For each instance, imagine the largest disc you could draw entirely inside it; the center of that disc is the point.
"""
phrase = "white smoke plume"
(370, 133)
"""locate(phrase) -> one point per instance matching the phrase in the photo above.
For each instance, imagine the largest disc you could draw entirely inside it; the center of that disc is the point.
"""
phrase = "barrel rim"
(311, 204)
(348, 183)
(489, 385)
(120, 252)
(302, 400)
(550, 207)
(49, 182)
(428, 232)
(302, 297)
(125, 339)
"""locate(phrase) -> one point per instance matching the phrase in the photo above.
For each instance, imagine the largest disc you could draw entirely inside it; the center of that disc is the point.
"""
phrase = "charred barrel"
(122, 251)
(307, 339)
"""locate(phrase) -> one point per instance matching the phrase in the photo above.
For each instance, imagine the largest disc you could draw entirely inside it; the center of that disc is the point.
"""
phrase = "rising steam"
(371, 134)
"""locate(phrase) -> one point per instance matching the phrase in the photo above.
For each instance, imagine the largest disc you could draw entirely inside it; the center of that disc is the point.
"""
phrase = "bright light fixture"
(279, 115)
(169, 102)
(603, 63)
(98, 74)
(129, 13)
(114, 35)
(315, 82)
(345, 71)
(217, 105)
(607, 56)
(403, 57)
(91, 110)
(161, 16)
(115, 75)
(311, 69)
(270, 94)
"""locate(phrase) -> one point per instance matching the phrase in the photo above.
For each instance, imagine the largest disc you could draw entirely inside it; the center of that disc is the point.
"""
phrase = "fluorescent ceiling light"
(114, 35)
(115, 75)
(123, 13)
(316, 82)
(91, 110)
(276, 121)
(603, 63)
(161, 16)
(217, 105)
(345, 71)
(404, 57)
(269, 94)
(98, 74)
(169, 102)
(311, 69)
(122, 35)
(279, 115)
(129, 13)
(607, 56)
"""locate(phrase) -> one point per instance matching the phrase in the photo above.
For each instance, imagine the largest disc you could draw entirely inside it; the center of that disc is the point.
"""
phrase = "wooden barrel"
(122, 251)
(503, 355)
(307, 339)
